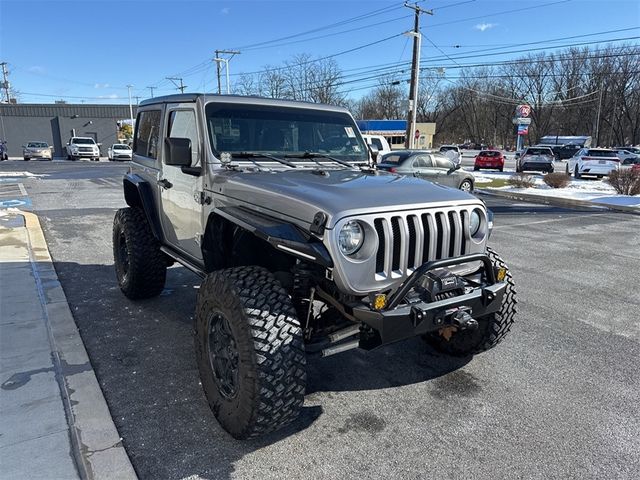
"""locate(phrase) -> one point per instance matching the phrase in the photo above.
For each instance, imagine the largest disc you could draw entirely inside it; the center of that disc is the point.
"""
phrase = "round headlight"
(351, 237)
(474, 224)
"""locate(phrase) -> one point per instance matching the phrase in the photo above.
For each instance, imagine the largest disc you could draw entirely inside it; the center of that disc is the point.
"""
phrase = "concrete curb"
(560, 202)
(98, 448)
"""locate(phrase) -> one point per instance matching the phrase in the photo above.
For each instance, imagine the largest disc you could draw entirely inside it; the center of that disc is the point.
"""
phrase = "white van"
(379, 142)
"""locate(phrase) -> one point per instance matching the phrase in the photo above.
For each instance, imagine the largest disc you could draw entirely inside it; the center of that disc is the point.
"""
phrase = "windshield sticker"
(356, 148)
(350, 133)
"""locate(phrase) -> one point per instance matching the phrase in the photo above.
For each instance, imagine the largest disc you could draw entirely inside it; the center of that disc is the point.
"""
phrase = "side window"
(421, 162)
(182, 124)
(147, 134)
(376, 143)
(442, 162)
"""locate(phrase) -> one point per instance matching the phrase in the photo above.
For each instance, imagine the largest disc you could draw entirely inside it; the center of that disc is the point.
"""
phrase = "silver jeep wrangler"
(304, 247)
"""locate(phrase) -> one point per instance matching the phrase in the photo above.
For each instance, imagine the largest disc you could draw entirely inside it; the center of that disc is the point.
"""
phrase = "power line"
(324, 27)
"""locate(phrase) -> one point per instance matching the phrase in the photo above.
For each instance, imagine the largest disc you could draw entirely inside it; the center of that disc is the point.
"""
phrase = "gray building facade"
(57, 123)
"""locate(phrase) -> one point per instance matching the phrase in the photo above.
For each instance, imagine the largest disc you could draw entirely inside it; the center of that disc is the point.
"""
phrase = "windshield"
(120, 147)
(539, 151)
(84, 141)
(489, 154)
(37, 145)
(281, 130)
(602, 153)
(446, 149)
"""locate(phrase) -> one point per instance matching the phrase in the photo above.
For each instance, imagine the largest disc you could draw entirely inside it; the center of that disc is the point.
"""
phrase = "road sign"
(521, 121)
(523, 129)
(523, 111)
(417, 135)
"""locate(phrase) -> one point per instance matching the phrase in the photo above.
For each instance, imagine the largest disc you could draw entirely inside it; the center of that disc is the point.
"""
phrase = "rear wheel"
(491, 329)
(141, 268)
(466, 186)
(250, 351)
(26, 159)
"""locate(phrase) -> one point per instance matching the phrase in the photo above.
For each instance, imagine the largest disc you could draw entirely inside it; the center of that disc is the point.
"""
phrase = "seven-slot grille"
(406, 241)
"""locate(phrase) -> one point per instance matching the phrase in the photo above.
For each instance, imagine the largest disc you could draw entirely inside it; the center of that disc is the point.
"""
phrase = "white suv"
(379, 142)
(593, 161)
(83, 147)
(452, 152)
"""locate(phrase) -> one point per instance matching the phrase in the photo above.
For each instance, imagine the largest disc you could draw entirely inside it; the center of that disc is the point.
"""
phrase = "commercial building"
(395, 132)
(57, 123)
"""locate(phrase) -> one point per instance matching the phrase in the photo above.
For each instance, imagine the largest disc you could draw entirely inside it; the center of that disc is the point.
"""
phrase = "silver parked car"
(36, 150)
(431, 166)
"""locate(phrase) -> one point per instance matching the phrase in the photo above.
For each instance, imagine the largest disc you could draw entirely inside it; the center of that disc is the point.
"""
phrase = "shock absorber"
(302, 284)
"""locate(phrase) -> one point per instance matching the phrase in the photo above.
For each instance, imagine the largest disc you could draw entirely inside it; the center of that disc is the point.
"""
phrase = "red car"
(489, 159)
(636, 168)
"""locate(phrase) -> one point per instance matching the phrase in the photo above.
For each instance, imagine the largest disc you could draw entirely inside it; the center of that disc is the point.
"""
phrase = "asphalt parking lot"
(557, 399)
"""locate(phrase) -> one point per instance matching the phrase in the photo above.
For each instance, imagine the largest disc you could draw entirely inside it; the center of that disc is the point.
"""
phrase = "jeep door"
(180, 187)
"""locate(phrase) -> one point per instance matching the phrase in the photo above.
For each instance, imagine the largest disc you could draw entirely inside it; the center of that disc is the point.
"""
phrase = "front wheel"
(491, 329)
(141, 268)
(250, 351)
(466, 186)
(26, 159)
(576, 173)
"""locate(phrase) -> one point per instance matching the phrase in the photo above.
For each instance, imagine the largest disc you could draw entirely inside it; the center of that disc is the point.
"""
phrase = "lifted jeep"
(304, 247)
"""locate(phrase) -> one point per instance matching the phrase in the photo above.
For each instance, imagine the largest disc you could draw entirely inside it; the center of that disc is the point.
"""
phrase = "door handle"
(164, 183)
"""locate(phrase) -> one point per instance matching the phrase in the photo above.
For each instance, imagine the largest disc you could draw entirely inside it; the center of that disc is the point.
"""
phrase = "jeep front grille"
(406, 241)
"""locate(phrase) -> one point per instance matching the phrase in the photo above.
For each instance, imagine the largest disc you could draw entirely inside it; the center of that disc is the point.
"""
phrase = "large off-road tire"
(250, 351)
(141, 268)
(491, 329)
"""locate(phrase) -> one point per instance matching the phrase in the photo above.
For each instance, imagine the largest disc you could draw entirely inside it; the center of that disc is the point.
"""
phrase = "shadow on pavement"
(144, 359)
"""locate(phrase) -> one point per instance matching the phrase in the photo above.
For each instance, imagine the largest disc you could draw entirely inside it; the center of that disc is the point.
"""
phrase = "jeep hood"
(300, 194)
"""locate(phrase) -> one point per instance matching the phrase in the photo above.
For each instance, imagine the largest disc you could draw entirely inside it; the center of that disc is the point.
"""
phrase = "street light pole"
(129, 87)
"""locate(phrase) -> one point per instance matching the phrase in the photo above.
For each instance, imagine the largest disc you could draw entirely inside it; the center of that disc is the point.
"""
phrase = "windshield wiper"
(321, 155)
(262, 155)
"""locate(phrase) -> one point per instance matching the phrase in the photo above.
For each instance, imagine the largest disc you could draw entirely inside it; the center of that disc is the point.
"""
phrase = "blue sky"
(92, 49)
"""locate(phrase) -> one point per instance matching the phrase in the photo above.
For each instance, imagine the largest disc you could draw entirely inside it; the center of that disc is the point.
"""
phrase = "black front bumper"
(398, 322)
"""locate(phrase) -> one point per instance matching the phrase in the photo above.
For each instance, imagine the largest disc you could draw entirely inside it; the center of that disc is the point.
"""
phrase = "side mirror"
(99, 145)
(374, 153)
(177, 152)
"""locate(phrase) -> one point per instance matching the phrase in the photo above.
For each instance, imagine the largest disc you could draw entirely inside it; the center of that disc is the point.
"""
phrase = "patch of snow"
(20, 174)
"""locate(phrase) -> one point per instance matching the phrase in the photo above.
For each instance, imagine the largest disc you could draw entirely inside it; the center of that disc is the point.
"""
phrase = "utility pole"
(180, 87)
(5, 80)
(415, 69)
(129, 87)
(598, 117)
(151, 89)
(218, 59)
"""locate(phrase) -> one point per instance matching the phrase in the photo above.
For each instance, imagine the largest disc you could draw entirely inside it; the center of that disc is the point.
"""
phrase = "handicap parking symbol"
(15, 203)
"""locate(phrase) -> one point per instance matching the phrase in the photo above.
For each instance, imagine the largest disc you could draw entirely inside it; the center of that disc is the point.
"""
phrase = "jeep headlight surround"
(478, 225)
(351, 237)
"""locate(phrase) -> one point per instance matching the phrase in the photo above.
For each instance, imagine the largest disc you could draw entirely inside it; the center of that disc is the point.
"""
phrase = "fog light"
(501, 274)
(380, 301)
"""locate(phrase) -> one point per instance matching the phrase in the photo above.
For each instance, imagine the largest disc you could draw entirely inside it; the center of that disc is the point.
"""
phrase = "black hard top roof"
(241, 99)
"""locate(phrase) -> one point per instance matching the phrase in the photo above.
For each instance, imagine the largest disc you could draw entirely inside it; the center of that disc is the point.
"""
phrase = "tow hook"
(464, 321)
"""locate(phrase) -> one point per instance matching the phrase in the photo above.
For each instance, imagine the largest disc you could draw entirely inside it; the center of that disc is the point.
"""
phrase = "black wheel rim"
(223, 355)
(123, 255)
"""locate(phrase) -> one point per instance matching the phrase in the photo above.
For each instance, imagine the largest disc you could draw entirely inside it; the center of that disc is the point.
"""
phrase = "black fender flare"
(138, 193)
(283, 236)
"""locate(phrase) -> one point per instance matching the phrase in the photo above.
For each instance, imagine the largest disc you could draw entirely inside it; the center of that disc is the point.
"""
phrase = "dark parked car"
(431, 166)
(538, 159)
